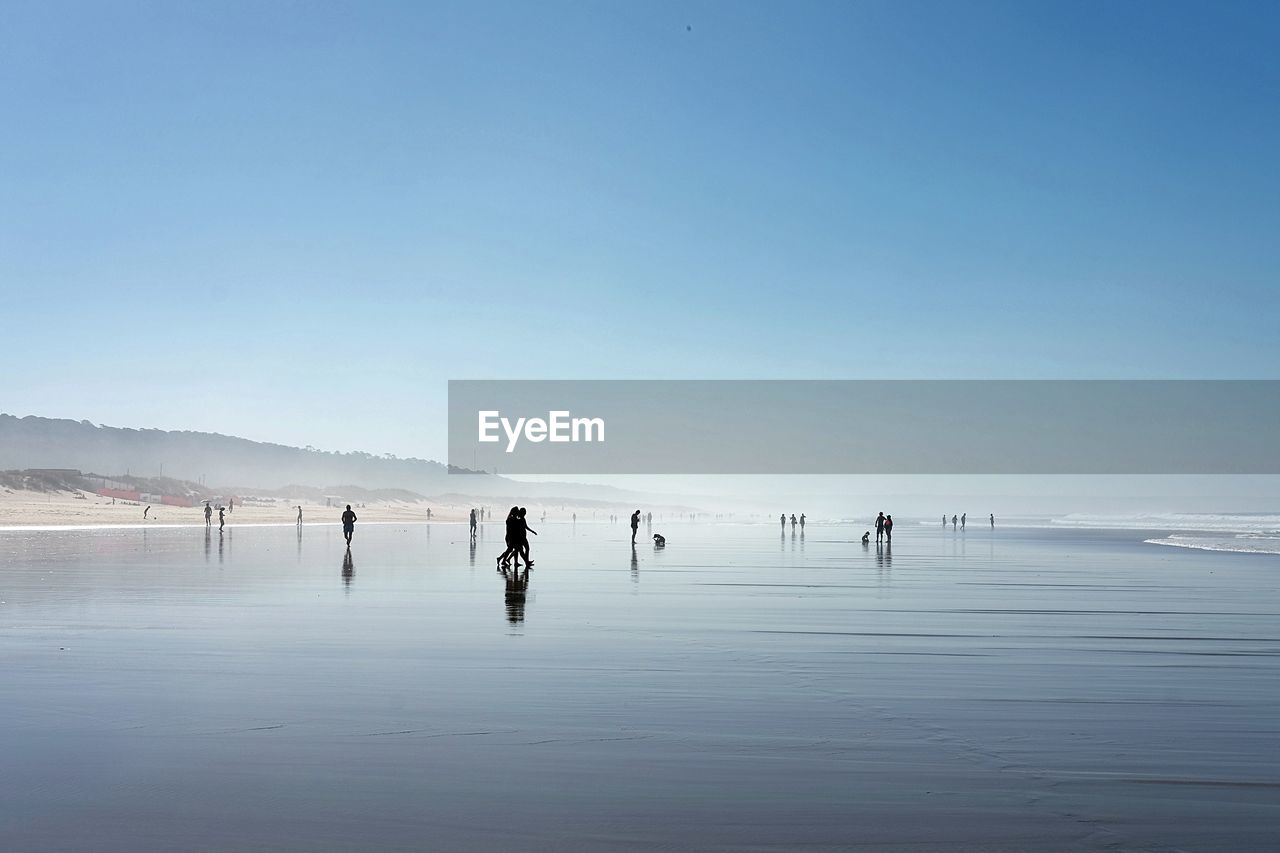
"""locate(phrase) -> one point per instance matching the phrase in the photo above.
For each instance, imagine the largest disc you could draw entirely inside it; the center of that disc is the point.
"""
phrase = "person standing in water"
(635, 525)
(208, 515)
(944, 519)
(473, 524)
(802, 522)
(953, 521)
(993, 519)
(879, 526)
(348, 524)
(783, 519)
(888, 528)
(963, 516)
(793, 522)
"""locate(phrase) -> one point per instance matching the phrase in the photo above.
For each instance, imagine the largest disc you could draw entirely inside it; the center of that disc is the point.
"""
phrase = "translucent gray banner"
(865, 427)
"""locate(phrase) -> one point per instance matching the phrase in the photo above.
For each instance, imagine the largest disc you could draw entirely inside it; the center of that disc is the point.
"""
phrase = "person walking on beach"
(512, 540)
(208, 515)
(144, 513)
(944, 519)
(231, 504)
(963, 516)
(783, 519)
(299, 515)
(793, 522)
(222, 519)
(348, 524)
(473, 524)
(522, 537)
(993, 519)
(635, 525)
(802, 522)
(888, 528)
(879, 526)
(953, 521)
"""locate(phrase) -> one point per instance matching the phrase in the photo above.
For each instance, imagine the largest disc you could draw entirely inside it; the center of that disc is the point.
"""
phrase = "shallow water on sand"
(993, 690)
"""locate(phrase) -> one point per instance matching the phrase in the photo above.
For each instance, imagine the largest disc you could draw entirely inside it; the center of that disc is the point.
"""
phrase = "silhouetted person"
(953, 522)
(866, 537)
(208, 515)
(659, 541)
(231, 504)
(348, 524)
(144, 513)
(512, 539)
(944, 519)
(635, 525)
(879, 526)
(993, 519)
(222, 519)
(888, 528)
(299, 516)
(802, 521)
(473, 524)
(522, 533)
(963, 516)
(783, 519)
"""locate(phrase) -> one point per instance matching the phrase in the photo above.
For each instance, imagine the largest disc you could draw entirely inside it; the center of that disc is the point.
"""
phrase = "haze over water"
(1015, 689)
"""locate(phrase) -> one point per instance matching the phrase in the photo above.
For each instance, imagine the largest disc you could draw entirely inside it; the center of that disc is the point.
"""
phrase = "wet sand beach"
(738, 690)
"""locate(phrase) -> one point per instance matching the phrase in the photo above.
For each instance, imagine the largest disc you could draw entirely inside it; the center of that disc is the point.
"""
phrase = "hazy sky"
(295, 221)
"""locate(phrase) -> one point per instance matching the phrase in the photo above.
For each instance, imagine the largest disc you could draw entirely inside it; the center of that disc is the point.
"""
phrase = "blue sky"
(296, 221)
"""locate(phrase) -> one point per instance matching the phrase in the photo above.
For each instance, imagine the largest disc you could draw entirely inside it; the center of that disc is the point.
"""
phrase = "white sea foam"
(1242, 543)
(1267, 524)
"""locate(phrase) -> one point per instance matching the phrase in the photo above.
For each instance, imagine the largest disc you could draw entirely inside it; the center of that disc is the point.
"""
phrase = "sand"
(86, 509)
(738, 690)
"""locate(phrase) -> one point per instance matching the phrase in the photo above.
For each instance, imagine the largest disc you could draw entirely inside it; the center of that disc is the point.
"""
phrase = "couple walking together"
(518, 531)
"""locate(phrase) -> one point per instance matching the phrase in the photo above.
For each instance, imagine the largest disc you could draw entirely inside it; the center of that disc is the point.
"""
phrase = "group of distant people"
(884, 530)
(783, 519)
(963, 519)
(222, 516)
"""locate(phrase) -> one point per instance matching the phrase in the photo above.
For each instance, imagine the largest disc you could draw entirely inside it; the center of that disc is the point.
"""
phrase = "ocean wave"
(1246, 543)
(1263, 524)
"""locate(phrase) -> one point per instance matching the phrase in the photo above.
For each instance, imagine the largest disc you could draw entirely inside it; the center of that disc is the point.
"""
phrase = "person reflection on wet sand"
(473, 550)
(348, 569)
(884, 555)
(208, 538)
(516, 591)
(635, 564)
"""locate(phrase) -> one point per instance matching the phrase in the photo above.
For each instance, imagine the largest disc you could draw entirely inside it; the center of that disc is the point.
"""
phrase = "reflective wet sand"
(738, 690)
